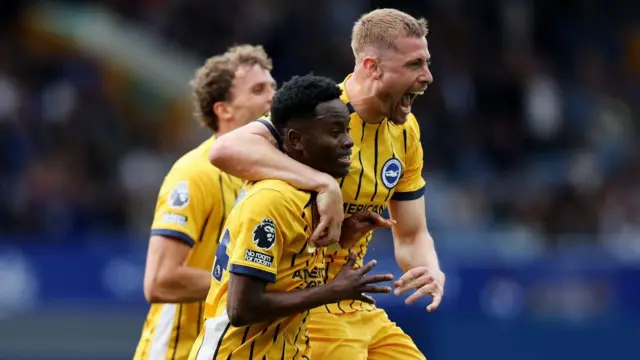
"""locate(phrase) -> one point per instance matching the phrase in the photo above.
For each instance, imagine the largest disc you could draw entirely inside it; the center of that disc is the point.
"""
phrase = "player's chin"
(339, 169)
(401, 115)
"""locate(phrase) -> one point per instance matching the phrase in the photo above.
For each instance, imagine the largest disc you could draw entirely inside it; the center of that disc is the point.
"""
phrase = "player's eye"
(336, 133)
(258, 89)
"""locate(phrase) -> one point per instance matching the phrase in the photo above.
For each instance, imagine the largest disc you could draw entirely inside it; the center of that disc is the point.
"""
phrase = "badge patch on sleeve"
(177, 219)
(259, 258)
(179, 196)
(264, 234)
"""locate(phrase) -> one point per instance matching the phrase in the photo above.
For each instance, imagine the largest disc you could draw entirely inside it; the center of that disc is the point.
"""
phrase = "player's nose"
(270, 94)
(426, 78)
(348, 144)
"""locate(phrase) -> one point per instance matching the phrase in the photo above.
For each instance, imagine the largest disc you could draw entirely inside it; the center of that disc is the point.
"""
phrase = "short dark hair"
(297, 99)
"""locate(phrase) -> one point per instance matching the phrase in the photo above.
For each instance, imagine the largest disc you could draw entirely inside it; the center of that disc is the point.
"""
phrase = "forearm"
(274, 305)
(180, 285)
(274, 164)
(253, 158)
(416, 252)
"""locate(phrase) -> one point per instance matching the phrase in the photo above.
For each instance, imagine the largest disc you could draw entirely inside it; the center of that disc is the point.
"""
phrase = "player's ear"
(222, 109)
(372, 66)
(294, 137)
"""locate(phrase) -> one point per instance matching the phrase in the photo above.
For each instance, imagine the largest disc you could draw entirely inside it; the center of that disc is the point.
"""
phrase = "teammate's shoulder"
(277, 192)
(276, 186)
(265, 121)
(196, 161)
(265, 118)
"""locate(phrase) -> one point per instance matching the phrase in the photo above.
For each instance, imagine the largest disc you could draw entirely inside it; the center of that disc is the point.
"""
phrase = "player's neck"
(295, 155)
(227, 126)
(363, 99)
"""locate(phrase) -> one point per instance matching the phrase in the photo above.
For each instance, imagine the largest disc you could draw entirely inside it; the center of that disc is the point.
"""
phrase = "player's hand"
(329, 206)
(426, 283)
(357, 225)
(352, 284)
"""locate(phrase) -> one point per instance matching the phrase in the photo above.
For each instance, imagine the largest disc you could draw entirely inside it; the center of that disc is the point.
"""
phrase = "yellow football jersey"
(265, 237)
(386, 164)
(193, 203)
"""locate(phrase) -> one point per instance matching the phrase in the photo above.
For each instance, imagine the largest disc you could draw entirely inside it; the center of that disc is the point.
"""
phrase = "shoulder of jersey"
(266, 118)
(196, 160)
(286, 192)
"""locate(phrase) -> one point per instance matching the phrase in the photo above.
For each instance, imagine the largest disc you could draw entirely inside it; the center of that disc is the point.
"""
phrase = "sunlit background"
(530, 136)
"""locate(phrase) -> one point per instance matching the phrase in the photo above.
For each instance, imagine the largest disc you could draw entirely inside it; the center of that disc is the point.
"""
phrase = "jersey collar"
(344, 96)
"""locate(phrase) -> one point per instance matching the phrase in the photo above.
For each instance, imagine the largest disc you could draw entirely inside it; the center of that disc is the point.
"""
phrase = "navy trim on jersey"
(406, 196)
(253, 272)
(224, 333)
(273, 132)
(375, 164)
(351, 109)
(177, 339)
(360, 161)
(174, 234)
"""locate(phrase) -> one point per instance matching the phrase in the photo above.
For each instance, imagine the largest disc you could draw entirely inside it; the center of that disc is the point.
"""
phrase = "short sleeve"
(258, 236)
(266, 121)
(411, 185)
(182, 208)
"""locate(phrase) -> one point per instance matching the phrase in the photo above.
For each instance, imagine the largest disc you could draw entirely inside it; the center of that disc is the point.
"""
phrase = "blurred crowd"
(531, 124)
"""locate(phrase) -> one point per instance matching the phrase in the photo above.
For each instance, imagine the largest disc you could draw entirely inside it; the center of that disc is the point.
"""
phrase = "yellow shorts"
(359, 335)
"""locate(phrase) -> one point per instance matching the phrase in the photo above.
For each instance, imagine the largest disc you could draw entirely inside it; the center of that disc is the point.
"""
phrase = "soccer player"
(391, 68)
(229, 90)
(267, 275)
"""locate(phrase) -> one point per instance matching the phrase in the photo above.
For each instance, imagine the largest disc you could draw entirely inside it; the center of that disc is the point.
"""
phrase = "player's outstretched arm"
(415, 252)
(248, 301)
(167, 279)
(251, 153)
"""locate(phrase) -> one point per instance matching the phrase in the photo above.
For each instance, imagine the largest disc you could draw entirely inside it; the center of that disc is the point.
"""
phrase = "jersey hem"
(174, 234)
(409, 195)
(253, 272)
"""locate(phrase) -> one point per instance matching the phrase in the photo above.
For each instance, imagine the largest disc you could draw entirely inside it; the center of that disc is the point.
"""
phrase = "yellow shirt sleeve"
(182, 207)
(411, 185)
(266, 121)
(258, 236)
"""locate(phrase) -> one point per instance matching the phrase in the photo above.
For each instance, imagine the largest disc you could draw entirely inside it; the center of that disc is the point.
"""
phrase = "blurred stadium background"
(530, 135)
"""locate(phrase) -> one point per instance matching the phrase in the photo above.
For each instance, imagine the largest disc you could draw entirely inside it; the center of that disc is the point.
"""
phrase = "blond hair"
(381, 27)
(212, 82)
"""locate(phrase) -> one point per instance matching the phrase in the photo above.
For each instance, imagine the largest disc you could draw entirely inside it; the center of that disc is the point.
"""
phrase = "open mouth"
(407, 99)
(345, 160)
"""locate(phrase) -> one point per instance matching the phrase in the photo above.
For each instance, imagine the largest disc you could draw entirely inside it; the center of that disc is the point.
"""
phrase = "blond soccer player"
(391, 69)
(195, 198)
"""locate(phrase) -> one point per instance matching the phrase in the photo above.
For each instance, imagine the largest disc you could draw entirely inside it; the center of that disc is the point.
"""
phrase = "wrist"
(438, 275)
(331, 293)
(324, 183)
